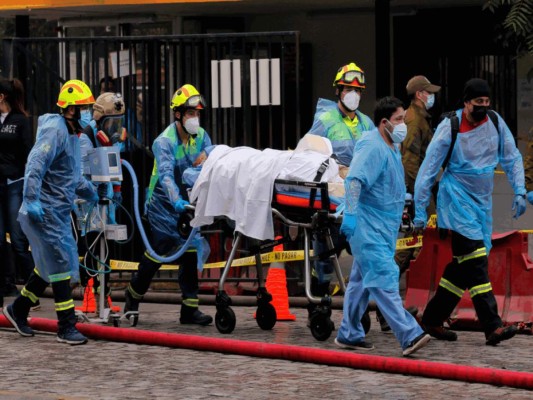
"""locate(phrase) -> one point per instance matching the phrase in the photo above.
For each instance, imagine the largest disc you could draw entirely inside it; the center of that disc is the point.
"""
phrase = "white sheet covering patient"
(238, 182)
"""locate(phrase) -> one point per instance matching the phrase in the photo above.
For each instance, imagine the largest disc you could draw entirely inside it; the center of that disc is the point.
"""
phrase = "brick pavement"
(41, 368)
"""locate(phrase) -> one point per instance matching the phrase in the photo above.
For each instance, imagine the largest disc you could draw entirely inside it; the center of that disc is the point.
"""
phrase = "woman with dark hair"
(16, 140)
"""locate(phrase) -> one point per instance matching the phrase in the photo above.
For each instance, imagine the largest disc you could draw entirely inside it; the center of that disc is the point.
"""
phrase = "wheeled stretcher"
(313, 215)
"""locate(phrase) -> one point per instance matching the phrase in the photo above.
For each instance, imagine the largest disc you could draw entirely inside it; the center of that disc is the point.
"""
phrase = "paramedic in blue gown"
(343, 124)
(52, 181)
(464, 206)
(183, 144)
(374, 201)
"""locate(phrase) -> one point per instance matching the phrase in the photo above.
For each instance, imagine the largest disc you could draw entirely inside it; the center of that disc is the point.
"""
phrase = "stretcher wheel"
(225, 320)
(266, 316)
(365, 321)
(321, 327)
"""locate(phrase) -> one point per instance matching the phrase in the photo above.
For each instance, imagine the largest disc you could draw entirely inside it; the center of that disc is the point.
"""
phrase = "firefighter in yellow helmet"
(52, 181)
(183, 144)
(343, 124)
(341, 121)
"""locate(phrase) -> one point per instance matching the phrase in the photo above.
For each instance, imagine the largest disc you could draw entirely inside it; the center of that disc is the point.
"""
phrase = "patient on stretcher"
(238, 182)
(303, 165)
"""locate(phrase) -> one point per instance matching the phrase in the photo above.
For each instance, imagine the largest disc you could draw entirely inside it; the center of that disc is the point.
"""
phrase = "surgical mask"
(192, 126)
(399, 132)
(351, 100)
(479, 113)
(430, 101)
(85, 118)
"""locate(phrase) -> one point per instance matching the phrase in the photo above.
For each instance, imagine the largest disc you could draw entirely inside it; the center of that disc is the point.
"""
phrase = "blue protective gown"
(329, 122)
(53, 178)
(172, 158)
(464, 201)
(378, 169)
(379, 211)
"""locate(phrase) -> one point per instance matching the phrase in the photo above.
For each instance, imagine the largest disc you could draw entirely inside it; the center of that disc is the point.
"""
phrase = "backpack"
(454, 121)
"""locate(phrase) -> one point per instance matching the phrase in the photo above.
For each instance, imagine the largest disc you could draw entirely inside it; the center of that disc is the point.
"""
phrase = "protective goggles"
(351, 76)
(111, 125)
(194, 101)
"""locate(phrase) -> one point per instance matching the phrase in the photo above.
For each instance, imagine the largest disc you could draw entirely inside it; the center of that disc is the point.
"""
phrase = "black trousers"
(468, 273)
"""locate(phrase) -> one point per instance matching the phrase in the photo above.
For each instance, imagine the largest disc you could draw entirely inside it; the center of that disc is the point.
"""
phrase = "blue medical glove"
(180, 204)
(35, 211)
(117, 197)
(348, 225)
(94, 198)
(519, 204)
(530, 197)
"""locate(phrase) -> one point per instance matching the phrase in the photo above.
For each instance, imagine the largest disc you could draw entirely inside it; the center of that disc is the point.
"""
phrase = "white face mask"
(399, 132)
(351, 100)
(192, 125)
(430, 101)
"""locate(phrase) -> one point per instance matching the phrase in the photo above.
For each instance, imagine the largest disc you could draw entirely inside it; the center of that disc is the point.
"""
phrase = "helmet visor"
(195, 102)
(351, 76)
(111, 125)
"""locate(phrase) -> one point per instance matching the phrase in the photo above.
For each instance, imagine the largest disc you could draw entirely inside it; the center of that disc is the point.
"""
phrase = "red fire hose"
(297, 353)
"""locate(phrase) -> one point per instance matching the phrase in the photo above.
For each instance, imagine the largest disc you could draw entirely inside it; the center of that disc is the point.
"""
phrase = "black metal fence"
(499, 70)
(251, 82)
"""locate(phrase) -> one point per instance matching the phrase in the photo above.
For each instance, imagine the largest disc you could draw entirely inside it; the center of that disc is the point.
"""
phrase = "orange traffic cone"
(276, 285)
(89, 302)
(111, 306)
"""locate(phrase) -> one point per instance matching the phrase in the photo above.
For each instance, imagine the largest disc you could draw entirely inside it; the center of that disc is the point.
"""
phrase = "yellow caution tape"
(266, 258)
(403, 243)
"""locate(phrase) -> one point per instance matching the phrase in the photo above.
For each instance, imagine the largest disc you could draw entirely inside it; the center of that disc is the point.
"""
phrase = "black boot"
(131, 301)
(17, 313)
(192, 315)
(66, 316)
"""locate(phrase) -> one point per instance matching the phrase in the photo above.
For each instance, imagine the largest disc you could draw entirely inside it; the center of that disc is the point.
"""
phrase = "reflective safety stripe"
(479, 289)
(64, 305)
(446, 284)
(134, 294)
(26, 293)
(37, 272)
(481, 252)
(65, 276)
(191, 302)
(151, 258)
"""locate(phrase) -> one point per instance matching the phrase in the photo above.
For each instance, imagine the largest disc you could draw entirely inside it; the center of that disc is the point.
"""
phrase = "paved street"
(41, 368)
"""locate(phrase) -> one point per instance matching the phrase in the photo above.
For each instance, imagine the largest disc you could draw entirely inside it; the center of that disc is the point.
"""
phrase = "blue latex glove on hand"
(530, 197)
(519, 204)
(95, 198)
(117, 197)
(180, 204)
(35, 211)
(348, 225)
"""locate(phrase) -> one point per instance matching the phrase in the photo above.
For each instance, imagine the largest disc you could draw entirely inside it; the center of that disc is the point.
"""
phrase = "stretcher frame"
(315, 219)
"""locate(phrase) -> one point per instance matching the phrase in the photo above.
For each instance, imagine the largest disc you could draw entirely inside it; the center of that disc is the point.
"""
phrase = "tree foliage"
(518, 23)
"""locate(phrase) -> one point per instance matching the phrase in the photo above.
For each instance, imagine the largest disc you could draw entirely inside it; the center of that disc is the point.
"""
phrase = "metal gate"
(251, 82)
